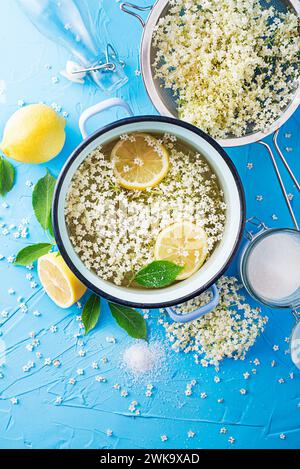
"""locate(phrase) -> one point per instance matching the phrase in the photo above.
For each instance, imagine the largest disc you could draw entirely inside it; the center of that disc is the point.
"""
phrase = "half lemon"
(58, 280)
(140, 161)
(183, 243)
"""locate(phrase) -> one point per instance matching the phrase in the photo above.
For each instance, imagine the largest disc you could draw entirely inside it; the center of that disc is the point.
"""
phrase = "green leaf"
(50, 226)
(158, 274)
(31, 253)
(91, 313)
(130, 320)
(42, 199)
(7, 176)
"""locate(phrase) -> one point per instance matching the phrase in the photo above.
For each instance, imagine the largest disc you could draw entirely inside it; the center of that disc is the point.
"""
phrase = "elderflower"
(232, 65)
(220, 334)
(114, 230)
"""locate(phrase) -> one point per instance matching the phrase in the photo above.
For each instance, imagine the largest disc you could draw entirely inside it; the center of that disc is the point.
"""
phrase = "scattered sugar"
(273, 266)
(143, 358)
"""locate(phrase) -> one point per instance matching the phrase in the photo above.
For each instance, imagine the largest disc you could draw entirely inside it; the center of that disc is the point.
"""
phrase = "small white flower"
(100, 379)
(110, 340)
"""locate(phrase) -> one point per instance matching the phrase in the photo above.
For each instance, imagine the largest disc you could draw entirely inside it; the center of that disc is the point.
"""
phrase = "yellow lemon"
(34, 134)
(58, 280)
(139, 161)
(183, 243)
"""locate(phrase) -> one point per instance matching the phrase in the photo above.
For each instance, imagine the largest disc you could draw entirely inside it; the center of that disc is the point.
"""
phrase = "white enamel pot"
(213, 268)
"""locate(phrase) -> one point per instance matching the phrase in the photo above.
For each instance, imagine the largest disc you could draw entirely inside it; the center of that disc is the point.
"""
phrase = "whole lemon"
(34, 134)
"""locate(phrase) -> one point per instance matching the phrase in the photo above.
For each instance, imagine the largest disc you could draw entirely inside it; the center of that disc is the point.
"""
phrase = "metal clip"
(259, 224)
(126, 8)
(107, 66)
(296, 314)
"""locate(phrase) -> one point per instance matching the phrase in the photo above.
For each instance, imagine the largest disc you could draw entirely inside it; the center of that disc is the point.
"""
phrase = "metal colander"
(163, 99)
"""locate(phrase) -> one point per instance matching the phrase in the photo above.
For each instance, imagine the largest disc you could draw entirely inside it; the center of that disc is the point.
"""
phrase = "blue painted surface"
(89, 408)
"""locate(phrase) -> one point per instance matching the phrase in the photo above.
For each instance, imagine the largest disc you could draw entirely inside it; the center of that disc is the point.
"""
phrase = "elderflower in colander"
(233, 66)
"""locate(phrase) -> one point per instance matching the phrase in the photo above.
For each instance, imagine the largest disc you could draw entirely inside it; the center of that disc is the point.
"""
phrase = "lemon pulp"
(140, 161)
(58, 280)
(183, 243)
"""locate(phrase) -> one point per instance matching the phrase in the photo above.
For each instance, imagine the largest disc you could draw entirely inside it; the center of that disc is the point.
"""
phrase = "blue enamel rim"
(77, 152)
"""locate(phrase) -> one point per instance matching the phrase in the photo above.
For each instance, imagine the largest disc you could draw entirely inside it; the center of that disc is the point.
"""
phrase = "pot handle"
(126, 7)
(198, 312)
(99, 107)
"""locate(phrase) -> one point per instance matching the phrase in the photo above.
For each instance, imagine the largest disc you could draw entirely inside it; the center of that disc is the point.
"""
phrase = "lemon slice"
(58, 280)
(140, 161)
(183, 243)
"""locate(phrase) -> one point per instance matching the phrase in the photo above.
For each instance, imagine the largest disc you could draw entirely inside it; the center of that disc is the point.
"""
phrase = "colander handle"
(198, 312)
(126, 7)
(99, 107)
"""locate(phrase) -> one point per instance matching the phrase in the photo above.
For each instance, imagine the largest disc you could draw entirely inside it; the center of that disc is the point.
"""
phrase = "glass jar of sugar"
(270, 267)
(270, 271)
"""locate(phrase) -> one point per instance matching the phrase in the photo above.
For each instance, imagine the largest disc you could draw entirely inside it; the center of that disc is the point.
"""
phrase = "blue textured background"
(89, 408)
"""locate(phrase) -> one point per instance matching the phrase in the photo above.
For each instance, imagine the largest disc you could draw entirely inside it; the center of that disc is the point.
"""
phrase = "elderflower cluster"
(114, 230)
(227, 332)
(232, 65)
